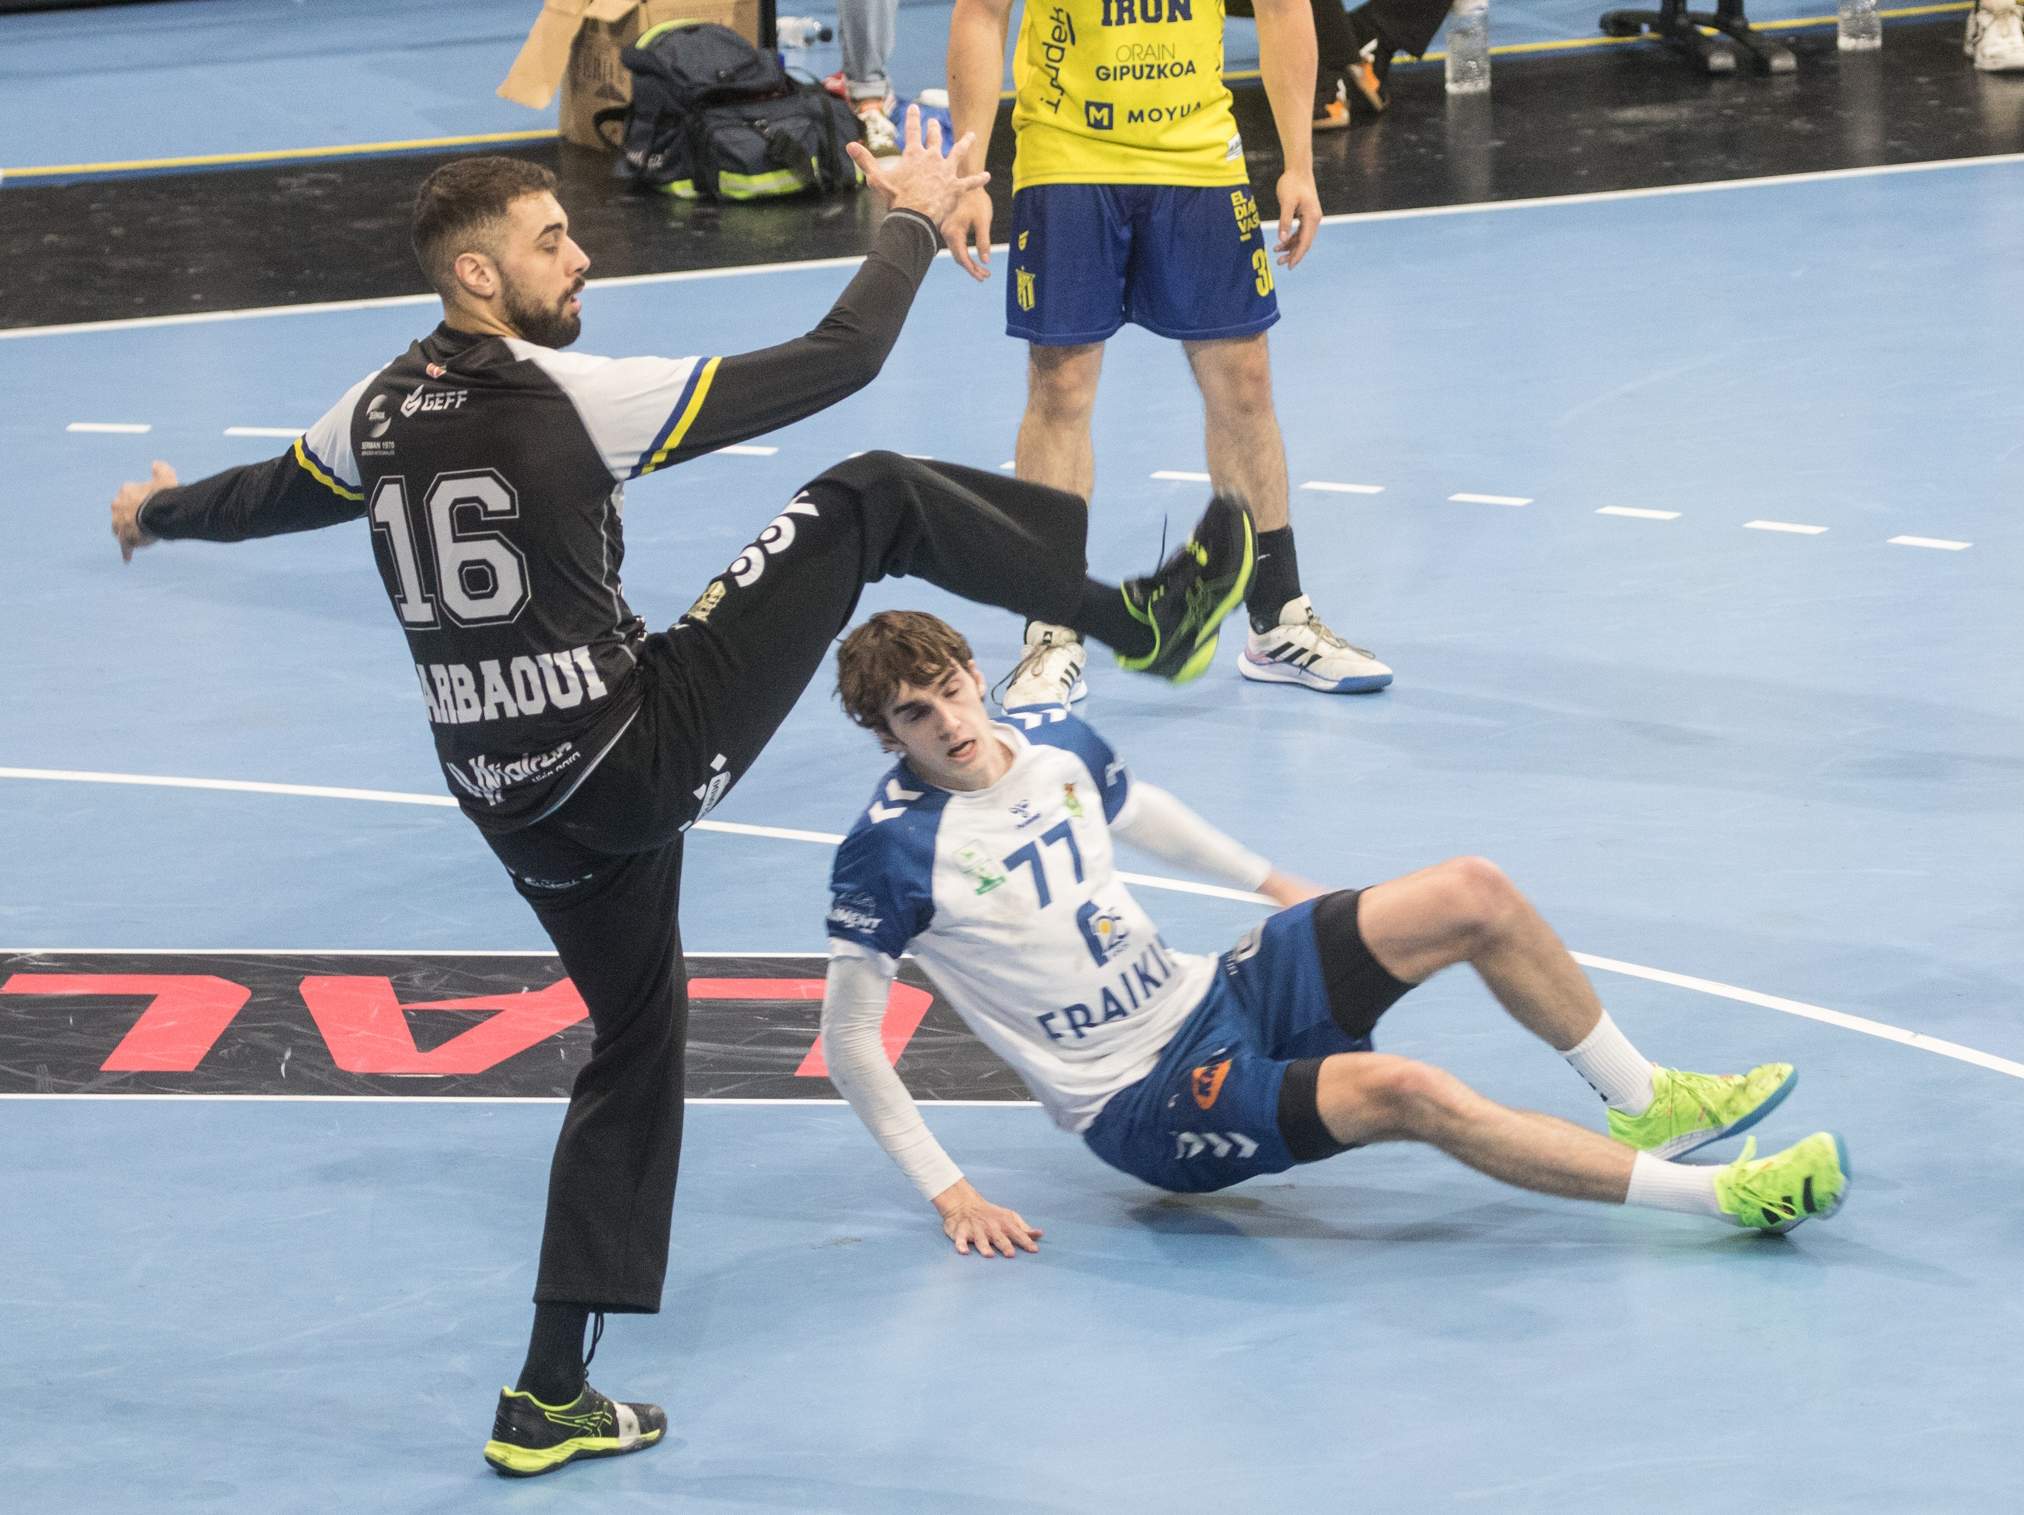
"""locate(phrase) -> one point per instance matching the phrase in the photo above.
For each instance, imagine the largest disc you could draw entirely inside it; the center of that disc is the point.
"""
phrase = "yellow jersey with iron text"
(1123, 92)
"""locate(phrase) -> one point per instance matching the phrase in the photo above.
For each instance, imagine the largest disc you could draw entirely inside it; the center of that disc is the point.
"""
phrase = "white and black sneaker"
(1995, 37)
(529, 1437)
(1302, 650)
(1049, 672)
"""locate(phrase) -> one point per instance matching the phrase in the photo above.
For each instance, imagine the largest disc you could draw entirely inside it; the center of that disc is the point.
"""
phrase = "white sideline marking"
(1862, 1024)
(1490, 499)
(1008, 465)
(375, 796)
(1178, 477)
(1800, 1008)
(112, 428)
(748, 450)
(1329, 487)
(1943, 544)
(1638, 514)
(290, 432)
(1481, 207)
(1793, 527)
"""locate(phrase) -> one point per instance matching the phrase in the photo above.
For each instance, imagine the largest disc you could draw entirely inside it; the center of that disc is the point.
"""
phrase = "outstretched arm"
(853, 1011)
(1156, 822)
(315, 483)
(750, 394)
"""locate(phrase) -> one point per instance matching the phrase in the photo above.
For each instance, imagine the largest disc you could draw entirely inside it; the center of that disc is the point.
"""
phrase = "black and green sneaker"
(1184, 603)
(529, 1437)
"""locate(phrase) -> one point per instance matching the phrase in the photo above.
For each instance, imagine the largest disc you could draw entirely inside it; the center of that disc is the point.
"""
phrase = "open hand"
(920, 178)
(972, 1222)
(126, 510)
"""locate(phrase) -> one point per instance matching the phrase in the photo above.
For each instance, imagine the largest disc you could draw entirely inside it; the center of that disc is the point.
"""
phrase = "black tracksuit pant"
(604, 871)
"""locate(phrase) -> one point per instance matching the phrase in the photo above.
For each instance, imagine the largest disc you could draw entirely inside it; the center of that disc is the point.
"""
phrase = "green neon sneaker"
(529, 1437)
(1689, 1110)
(1184, 603)
(1806, 1181)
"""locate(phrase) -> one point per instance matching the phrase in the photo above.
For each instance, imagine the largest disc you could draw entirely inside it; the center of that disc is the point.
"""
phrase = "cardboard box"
(575, 43)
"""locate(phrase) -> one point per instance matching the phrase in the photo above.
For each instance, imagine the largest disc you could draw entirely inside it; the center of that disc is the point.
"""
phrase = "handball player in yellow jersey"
(1131, 203)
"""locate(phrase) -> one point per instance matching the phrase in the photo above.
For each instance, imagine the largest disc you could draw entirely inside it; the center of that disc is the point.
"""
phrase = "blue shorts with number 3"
(1182, 262)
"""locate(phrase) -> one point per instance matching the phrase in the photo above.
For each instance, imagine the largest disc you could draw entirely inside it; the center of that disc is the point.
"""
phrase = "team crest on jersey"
(978, 867)
(434, 370)
(1068, 798)
(1208, 1082)
(1104, 932)
(706, 602)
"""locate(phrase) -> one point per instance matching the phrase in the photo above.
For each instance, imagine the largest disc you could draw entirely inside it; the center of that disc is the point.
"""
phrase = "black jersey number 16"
(480, 577)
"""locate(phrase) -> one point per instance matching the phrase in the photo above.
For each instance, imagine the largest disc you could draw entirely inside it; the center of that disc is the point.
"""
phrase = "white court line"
(1490, 499)
(290, 432)
(1329, 487)
(1417, 213)
(375, 796)
(1008, 465)
(1800, 1008)
(1176, 476)
(1638, 514)
(747, 450)
(1794, 527)
(1943, 544)
(1847, 1022)
(112, 428)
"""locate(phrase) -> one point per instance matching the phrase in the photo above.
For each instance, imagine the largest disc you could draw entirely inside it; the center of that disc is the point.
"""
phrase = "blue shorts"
(1208, 1115)
(1183, 262)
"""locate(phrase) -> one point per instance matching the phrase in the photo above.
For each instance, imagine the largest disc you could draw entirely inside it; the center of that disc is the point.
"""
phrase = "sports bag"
(714, 118)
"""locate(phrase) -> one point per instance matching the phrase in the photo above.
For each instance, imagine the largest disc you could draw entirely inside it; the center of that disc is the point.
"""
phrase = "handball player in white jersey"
(986, 852)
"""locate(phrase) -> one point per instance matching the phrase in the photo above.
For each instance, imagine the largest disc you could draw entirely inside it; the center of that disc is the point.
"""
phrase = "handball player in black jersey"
(490, 466)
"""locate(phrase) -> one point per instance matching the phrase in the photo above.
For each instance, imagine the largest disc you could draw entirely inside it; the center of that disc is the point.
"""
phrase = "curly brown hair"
(894, 647)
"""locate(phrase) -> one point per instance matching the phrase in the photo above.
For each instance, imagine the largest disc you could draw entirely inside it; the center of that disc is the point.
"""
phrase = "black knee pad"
(1300, 1124)
(1360, 989)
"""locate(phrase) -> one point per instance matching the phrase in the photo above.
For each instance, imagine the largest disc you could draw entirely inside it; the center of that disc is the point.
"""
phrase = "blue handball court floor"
(1705, 616)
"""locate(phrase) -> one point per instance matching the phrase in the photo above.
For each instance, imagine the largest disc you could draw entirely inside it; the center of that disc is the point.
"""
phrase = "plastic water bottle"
(1469, 47)
(801, 31)
(1856, 26)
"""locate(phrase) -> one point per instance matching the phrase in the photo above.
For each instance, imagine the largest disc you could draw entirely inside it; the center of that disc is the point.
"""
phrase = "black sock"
(1364, 28)
(1276, 579)
(553, 1372)
(1102, 615)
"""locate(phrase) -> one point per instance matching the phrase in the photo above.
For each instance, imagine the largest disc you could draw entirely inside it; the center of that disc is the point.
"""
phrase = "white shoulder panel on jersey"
(635, 409)
(325, 449)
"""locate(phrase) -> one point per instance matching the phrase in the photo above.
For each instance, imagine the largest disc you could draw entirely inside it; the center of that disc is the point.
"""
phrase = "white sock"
(1613, 1067)
(1659, 1185)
